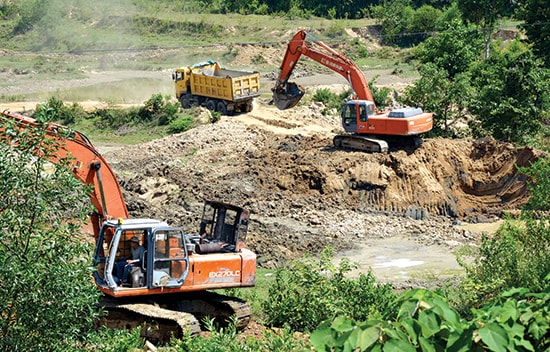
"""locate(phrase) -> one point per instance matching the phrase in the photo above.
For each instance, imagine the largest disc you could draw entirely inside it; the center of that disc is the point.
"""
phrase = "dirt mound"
(304, 194)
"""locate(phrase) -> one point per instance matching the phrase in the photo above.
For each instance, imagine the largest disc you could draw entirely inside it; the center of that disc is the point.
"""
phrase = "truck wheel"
(222, 108)
(185, 102)
(211, 105)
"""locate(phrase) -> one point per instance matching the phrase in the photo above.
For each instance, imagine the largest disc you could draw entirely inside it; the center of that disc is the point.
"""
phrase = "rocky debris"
(305, 195)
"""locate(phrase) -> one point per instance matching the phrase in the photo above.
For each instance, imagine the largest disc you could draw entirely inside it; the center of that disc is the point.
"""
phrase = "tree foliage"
(46, 293)
(404, 25)
(485, 14)
(446, 98)
(443, 85)
(510, 98)
(454, 49)
(536, 15)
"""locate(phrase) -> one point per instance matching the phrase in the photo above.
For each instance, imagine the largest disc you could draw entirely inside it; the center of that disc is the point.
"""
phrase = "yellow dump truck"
(218, 89)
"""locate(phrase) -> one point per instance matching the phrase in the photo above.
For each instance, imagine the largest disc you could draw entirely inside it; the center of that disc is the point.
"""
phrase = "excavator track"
(158, 324)
(355, 142)
(173, 315)
(222, 308)
(377, 144)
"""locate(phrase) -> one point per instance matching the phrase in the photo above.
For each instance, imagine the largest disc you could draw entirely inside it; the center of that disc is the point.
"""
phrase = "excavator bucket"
(288, 95)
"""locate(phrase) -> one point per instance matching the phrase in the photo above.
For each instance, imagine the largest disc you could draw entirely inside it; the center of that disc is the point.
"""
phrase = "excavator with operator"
(366, 128)
(169, 290)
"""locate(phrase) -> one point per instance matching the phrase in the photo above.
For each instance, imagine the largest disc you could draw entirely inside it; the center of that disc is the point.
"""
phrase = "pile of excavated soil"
(304, 194)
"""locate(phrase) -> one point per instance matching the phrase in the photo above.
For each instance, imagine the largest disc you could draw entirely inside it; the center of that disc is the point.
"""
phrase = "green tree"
(423, 23)
(485, 14)
(46, 295)
(442, 87)
(394, 16)
(510, 98)
(446, 98)
(537, 26)
(454, 49)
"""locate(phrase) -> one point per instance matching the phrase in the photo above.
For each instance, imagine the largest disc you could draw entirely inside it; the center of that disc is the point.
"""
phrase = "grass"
(67, 45)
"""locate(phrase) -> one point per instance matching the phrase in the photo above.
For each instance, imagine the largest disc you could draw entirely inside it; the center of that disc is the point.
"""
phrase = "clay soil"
(400, 213)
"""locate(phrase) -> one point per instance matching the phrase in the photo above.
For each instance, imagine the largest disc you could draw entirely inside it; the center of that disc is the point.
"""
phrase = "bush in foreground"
(519, 320)
(47, 300)
(311, 291)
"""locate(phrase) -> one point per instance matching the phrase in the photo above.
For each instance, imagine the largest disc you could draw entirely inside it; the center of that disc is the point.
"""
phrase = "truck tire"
(221, 108)
(211, 105)
(185, 102)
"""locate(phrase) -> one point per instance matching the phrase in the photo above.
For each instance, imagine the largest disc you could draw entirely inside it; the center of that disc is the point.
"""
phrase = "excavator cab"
(223, 228)
(165, 262)
(355, 114)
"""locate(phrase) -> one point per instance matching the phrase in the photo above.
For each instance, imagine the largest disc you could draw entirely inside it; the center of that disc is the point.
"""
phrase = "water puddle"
(393, 259)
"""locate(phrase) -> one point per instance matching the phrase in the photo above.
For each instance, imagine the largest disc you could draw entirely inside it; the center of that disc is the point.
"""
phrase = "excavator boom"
(287, 94)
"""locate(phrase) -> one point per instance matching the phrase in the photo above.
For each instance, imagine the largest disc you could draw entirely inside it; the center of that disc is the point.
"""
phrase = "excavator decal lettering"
(227, 273)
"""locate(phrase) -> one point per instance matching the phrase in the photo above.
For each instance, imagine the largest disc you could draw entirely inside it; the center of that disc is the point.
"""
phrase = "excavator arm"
(287, 94)
(87, 165)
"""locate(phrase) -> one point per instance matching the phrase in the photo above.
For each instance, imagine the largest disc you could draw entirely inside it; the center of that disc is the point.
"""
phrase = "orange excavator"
(169, 287)
(366, 128)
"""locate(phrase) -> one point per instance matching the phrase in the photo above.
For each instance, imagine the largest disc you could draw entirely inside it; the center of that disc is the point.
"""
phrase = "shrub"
(380, 95)
(159, 109)
(309, 292)
(182, 124)
(539, 187)
(61, 113)
(47, 297)
(516, 321)
(331, 100)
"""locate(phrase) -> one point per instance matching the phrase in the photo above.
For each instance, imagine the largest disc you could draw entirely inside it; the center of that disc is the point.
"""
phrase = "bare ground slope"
(304, 194)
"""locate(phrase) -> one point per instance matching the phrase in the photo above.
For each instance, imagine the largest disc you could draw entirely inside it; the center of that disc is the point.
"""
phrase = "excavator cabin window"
(363, 113)
(349, 115)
